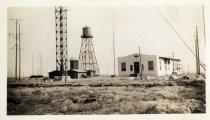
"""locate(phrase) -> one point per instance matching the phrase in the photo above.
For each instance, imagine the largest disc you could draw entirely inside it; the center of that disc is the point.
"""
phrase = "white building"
(152, 65)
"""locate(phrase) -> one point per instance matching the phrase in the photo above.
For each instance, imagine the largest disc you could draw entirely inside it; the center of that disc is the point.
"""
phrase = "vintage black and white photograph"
(106, 60)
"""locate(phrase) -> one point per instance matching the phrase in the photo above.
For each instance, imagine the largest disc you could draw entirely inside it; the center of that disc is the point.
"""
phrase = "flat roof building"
(151, 65)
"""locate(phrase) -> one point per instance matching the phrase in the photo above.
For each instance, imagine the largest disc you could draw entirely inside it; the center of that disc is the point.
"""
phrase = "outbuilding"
(76, 73)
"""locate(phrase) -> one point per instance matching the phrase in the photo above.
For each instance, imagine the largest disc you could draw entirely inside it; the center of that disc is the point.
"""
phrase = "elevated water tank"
(86, 32)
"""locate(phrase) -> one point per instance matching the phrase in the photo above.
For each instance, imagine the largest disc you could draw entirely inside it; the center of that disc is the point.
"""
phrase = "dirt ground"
(106, 96)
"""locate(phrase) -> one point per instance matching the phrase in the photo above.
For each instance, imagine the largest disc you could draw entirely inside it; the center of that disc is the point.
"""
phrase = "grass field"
(106, 96)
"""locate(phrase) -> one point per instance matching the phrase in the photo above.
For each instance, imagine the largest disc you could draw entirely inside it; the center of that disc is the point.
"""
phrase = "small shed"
(54, 73)
(36, 77)
(76, 73)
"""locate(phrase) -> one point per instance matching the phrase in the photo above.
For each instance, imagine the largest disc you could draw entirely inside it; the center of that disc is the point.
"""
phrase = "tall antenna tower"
(87, 58)
(61, 39)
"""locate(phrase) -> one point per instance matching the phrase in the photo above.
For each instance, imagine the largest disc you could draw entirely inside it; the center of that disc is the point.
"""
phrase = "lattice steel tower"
(87, 58)
(61, 39)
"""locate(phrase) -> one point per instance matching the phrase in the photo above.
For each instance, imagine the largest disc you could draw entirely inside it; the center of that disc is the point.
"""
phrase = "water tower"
(87, 58)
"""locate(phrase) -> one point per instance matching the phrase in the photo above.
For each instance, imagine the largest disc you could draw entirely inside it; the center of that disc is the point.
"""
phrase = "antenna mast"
(197, 53)
(204, 24)
(114, 50)
(61, 39)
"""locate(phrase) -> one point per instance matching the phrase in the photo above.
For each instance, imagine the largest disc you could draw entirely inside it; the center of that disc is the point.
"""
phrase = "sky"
(133, 26)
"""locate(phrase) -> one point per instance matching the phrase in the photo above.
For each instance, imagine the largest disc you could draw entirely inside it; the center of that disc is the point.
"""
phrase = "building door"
(136, 68)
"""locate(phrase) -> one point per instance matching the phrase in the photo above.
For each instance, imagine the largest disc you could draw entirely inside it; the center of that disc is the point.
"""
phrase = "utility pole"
(114, 50)
(140, 74)
(32, 63)
(16, 21)
(40, 64)
(16, 38)
(19, 55)
(197, 53)
(173, 62)
(204, 24)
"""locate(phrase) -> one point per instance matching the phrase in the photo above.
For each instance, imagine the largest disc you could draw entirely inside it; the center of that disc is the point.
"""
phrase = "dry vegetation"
(106, 96)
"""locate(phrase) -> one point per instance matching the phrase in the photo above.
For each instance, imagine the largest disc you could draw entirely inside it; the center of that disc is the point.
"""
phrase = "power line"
(179, 36)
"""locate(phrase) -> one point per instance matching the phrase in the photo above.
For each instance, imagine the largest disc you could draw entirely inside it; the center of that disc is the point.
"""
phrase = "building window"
(150, 65)
(165, 61)
(136, 67)
(123, 66)
(131, 67)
